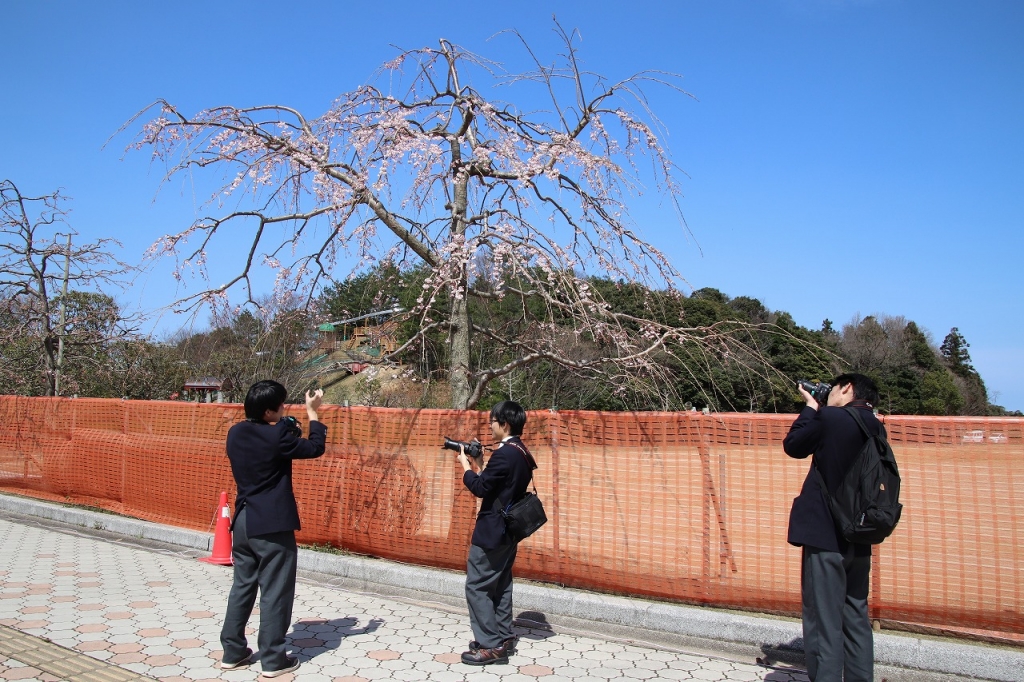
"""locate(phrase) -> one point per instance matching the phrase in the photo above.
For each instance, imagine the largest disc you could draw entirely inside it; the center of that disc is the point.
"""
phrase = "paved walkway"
(118, 611)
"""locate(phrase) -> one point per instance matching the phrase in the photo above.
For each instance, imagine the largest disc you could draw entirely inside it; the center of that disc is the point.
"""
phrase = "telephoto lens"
(473, 448)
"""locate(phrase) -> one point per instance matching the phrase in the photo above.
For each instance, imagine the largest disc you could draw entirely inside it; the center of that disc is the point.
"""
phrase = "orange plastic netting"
(681, 506)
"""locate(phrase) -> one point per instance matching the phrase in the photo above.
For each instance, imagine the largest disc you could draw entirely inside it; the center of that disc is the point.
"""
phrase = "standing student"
(261, 450)
(838, 641)
(492, 552)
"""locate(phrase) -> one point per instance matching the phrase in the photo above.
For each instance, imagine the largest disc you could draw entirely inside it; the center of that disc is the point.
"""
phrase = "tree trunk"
(459, 372)
(460, 341)
(50, 360)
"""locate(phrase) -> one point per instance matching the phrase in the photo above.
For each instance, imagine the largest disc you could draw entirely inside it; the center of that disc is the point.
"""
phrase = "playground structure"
(344, 346)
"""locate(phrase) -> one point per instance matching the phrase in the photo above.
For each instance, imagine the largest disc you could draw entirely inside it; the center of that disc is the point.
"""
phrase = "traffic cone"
(222, 536)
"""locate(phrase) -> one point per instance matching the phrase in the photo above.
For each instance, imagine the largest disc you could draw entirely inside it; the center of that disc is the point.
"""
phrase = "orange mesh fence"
(681, 506)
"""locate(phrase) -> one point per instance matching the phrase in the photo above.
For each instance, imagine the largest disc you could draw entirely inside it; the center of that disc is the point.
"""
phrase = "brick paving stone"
(706, 674)
(98, 645)
(307, 642)
(537, 670)
(384, 655)
(119, 615)
(32, 624)
(153, 633)
(161, 672)
(187, 643)
(446, 676)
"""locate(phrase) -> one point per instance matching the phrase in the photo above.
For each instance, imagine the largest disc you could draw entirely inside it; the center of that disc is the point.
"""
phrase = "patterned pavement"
(158, 615)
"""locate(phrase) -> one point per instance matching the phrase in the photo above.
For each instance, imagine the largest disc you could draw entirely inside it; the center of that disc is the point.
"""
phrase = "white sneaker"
(224, 665)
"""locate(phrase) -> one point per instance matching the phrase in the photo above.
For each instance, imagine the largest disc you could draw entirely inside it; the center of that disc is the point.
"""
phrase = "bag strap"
(529, 460)
(533, 465)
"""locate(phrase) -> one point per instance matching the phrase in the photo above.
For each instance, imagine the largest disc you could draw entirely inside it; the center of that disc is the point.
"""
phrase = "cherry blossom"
(423, 167)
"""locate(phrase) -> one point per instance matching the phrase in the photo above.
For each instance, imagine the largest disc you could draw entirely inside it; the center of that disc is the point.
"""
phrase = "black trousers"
(489, 593)
(266, 562)
(838, 642)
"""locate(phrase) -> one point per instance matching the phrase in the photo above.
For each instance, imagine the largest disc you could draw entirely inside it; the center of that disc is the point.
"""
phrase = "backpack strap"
(867, 434)
(860, 422)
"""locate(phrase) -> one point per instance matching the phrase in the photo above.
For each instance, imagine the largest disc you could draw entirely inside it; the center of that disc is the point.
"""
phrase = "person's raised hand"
(808, 398)
(313, 401)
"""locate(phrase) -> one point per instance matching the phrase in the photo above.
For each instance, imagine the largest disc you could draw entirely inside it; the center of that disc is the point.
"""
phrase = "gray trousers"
(266, 562)
(489, 593)
(838, 642)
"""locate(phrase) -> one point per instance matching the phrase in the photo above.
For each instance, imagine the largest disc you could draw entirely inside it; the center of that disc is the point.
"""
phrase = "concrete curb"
(133, 528)
(692, 627)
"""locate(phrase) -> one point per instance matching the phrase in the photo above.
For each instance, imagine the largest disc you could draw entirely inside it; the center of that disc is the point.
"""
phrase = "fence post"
(555, 431)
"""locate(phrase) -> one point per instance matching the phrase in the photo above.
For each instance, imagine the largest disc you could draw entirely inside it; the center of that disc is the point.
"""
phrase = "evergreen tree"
(954, 350)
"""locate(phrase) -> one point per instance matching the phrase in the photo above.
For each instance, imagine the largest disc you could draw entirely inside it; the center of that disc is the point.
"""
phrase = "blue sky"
(843, 157)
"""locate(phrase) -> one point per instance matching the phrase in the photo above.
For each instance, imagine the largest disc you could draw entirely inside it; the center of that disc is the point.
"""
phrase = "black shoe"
(293, 665)
(485, 656)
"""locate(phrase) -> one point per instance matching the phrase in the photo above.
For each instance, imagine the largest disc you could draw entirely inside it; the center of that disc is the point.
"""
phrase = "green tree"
(939, 394)
(958, 359)
(954, 350)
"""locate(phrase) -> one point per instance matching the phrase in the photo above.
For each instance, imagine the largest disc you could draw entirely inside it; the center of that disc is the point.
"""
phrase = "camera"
(292, 426)
(819, 391)
(473, 448)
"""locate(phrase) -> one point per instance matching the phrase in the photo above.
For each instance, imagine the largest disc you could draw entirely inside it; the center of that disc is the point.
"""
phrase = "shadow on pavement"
(317, 636)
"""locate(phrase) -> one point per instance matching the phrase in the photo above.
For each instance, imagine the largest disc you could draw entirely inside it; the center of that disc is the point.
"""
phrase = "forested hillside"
(916, 375)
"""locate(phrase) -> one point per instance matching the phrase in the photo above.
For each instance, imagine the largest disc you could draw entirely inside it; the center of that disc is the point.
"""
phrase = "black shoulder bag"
(524, 516)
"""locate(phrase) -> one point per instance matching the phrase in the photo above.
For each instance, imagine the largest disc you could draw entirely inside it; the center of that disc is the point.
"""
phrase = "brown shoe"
(509, 645)
(485, 656)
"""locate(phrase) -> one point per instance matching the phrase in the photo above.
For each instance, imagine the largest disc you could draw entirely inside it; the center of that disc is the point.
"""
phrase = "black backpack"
(865, 506)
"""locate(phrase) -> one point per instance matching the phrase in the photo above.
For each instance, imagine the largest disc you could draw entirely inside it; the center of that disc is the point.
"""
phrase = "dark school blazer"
(261, 457)
(505, 478)
(833, 437)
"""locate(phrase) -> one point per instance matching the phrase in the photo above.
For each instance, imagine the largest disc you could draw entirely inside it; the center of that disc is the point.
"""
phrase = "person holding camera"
(491, 554)
(264, 553)
(838, 642)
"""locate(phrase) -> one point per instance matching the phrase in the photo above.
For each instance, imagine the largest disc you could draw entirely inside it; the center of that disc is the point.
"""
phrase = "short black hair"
(864, 388)
(262, 396)
(511, 414)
